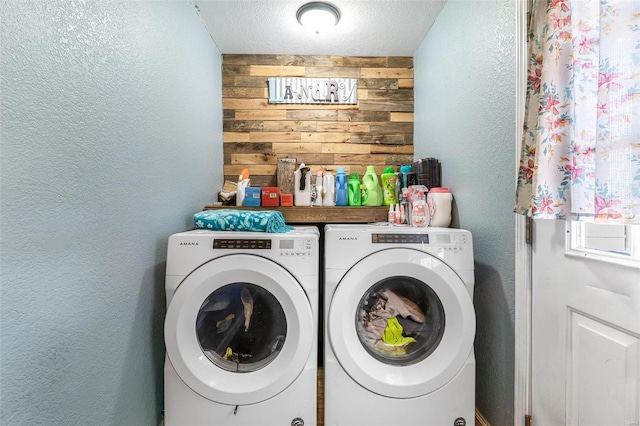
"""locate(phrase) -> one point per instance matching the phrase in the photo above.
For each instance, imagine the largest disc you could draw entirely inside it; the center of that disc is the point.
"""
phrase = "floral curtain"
(581, 142)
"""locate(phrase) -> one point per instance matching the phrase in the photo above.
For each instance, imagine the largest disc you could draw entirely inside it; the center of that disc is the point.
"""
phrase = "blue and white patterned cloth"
(270, 221)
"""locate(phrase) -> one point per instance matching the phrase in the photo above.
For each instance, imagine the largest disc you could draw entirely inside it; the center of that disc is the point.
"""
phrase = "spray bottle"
(419, 211)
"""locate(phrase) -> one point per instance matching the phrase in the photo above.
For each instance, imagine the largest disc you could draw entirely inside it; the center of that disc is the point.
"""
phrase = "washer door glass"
(241, 327)
(400, 320)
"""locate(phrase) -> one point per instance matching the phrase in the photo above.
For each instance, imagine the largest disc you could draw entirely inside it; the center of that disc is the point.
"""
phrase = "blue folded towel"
(241, 220)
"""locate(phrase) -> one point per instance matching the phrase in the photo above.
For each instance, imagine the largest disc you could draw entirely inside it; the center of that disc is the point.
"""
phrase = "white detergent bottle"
(242, 186)
(243, 183)
(329, 190)
(439, 204)
(317, 201)
(302, 178)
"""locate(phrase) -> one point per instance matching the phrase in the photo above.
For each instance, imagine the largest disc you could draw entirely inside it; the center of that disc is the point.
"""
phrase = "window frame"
(577, 233)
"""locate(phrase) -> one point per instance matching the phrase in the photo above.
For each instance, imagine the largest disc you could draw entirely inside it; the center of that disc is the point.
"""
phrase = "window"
(613, 243)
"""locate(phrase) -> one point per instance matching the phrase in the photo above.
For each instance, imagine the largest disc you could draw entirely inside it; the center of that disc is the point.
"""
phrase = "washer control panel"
(295, 248)
(241, 244)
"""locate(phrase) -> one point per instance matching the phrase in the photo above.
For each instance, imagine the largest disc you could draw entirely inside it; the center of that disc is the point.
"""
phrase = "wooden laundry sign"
(294, 90)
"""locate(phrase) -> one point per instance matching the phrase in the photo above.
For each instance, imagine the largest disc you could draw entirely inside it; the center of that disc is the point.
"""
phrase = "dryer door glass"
(241, 327)
(400, 320)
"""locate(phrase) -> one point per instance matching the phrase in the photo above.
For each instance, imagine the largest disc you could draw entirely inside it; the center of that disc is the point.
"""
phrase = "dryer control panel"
(400, 238)
(451, 242)
(285, 247)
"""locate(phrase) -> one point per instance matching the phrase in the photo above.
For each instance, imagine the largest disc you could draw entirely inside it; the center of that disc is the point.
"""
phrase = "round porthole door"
(401, 323)
(239, 329)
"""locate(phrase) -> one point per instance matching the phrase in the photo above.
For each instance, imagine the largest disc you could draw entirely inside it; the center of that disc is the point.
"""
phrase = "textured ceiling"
(366, 27)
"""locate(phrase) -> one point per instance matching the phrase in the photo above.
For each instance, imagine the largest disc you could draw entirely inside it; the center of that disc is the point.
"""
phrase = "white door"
(585, 365)
(239, 329)
(434, 314)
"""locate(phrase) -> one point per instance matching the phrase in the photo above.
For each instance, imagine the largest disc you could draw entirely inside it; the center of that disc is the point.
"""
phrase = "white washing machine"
(241, 328)
(399, 326)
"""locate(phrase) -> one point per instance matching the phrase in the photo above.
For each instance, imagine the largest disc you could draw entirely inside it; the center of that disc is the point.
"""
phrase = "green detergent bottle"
(354, 189)
(388, 179)
(372, 190)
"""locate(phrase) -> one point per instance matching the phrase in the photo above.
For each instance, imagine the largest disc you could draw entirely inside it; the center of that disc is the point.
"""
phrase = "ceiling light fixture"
(318, 16)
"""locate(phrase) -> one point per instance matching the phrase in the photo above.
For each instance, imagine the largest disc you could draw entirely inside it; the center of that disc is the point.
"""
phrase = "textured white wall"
(110, 141)
(366, 27)
(465, 85)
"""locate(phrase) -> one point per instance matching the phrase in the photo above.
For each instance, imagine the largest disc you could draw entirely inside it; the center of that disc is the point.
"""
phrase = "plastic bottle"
(243, 183)
(404, 207)
(373, 192)
(391, 216)
(317, 200)
(398, 188)
(439, 204)
(407, 175)
(396, 213)
(388, 179)
(341, 188)
(354, 189)
(328, 190)
(419, 212)
(302, 178)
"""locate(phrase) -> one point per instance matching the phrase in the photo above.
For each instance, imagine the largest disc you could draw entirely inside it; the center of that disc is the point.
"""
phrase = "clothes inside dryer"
(400, 320)
(241, 327)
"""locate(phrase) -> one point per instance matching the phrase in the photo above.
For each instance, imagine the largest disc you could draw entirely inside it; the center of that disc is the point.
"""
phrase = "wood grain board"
(301, 215)
(377, 131)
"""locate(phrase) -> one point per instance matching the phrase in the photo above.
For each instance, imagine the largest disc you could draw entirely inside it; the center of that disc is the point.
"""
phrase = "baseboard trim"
(480, 420)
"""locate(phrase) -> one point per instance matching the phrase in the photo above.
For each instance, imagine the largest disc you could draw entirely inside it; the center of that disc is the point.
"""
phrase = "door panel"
(602, 372)
(585, 336)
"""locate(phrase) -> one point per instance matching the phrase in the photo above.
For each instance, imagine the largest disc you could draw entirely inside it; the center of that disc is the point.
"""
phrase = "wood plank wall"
(377, 131)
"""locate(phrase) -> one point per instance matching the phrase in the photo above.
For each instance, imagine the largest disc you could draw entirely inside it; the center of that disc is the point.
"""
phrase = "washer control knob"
(297, 422)
(460, 421)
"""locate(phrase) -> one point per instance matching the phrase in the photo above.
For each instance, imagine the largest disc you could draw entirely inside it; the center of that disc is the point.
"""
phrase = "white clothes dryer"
(399, 326)
(241, 328)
